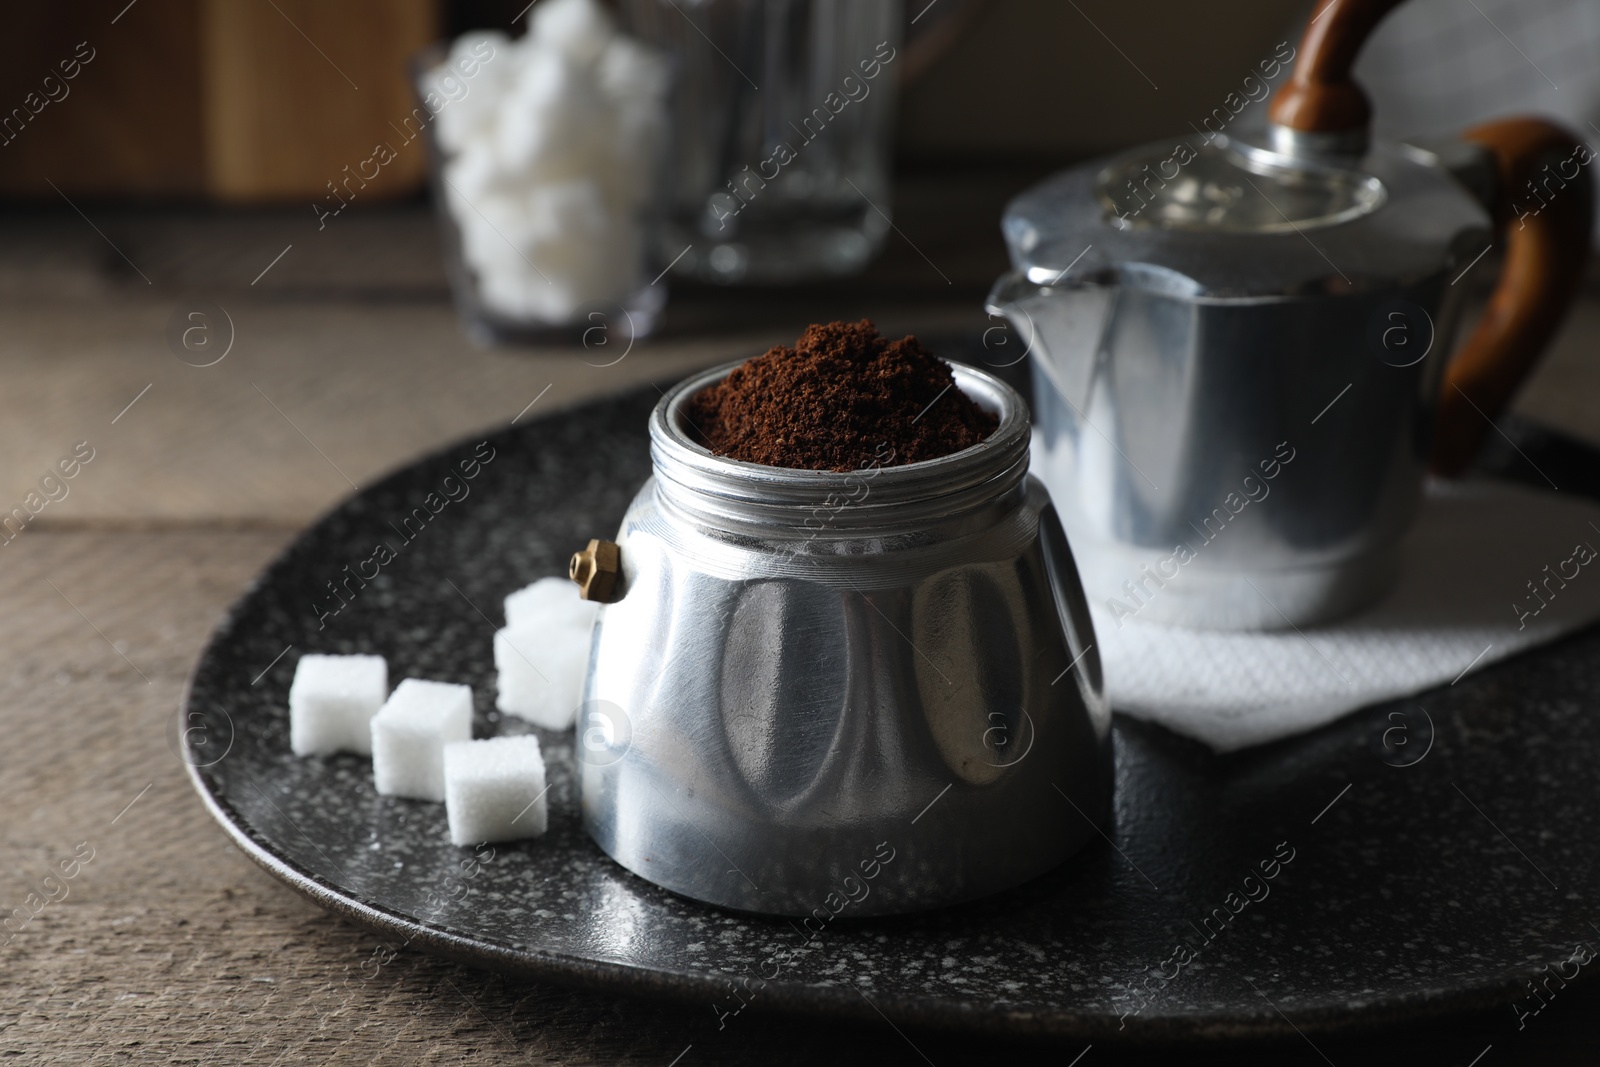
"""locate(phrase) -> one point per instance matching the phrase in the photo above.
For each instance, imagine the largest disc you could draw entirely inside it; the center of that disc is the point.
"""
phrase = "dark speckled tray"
(1416, 887)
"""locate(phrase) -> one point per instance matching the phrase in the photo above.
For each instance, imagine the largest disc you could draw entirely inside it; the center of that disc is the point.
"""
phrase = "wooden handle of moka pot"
(1320, 96)
(1544, 214)
(1543, 208)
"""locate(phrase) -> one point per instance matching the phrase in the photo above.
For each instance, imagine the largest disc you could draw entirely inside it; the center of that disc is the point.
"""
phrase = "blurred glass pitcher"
(782, 118)
(1239, 339)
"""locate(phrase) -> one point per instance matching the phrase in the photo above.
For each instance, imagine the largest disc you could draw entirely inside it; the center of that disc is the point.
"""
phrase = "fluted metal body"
(871, 692)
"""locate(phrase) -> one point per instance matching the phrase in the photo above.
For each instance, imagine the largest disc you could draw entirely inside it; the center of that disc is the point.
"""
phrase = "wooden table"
(347, 361)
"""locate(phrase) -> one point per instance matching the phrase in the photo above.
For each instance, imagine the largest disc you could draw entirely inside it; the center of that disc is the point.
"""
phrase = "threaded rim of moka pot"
(739, 496)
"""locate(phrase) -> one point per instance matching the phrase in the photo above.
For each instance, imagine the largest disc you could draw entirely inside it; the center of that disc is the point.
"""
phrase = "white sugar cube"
(547, 598)
(409, 734)
(495, 790)
(587, 267)
(467, 112)
(567, 210)
(464, 91)
(471, 175)
(580, 28)
(554, 109)
(332, 701)
(540, 664)
(495, 234)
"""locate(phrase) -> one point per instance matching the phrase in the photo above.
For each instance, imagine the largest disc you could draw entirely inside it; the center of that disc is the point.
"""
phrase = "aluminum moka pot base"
(815, 693)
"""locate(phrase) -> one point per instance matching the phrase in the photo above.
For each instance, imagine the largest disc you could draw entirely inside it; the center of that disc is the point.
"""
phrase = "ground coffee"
(841, 399)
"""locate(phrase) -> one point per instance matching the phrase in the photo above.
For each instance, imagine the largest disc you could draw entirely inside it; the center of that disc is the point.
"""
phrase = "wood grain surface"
(169, 945)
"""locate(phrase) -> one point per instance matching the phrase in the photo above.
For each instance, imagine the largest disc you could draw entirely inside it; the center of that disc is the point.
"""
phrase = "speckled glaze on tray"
(1416, 886)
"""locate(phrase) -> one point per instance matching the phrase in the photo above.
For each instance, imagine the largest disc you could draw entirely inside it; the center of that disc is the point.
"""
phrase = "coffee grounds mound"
(843, 398)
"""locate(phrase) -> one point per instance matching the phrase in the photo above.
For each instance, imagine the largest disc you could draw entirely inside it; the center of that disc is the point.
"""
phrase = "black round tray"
(1406, 880)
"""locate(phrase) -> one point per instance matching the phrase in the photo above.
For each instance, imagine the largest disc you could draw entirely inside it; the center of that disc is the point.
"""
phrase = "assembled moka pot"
(1240, 339)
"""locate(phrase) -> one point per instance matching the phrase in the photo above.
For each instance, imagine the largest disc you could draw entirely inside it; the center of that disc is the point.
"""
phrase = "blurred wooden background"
(249, 101)
(233, 100)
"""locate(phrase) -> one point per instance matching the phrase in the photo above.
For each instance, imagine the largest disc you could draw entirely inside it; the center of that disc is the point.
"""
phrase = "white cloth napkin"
(1459, 607)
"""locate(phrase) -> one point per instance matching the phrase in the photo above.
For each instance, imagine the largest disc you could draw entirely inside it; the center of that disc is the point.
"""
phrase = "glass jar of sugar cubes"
(782, 125)
(812, 687)
(546, 156)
